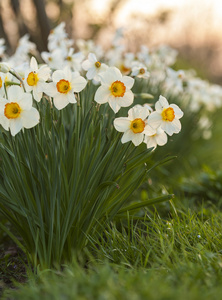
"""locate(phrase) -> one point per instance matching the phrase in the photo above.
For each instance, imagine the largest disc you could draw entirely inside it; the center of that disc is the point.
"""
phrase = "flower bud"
(4, 68)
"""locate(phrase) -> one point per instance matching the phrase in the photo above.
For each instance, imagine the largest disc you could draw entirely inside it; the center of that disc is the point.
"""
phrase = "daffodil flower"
(65, 84)
(115, 89)
(35, 79)
(93, 67)
(155, 137)
(166, 116)
(17, 112)
(134, 126)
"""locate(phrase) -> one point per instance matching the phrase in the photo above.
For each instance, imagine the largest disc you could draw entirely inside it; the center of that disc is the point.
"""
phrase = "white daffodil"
(74, 60)
(140, 71)
(54, 59)
(93, 67)
(166, 116)
(17, 112)
(65, 84)
(174, 81)
(35, 79)
(155, 137)
(115, 89)
(134, 126)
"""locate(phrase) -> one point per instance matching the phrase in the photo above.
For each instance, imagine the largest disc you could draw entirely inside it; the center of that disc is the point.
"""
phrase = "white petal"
(58, 75)
(15, 126)
(138, 139)
(138, 111)
(44, 72)
(86, 65)
(92, 58)
(50, 89)
(113, 103)
(168, 127)
(78, 84)
(37, 95)
(177, 110)
(26, 102)
(15, 93)
(128, 81)
(102, 94)
(68, 73)
(127, 136)
(161, 139)
(177, 125)
(71, 97)
(122, 124)
(161, 104)
(4, 122)
(126, 100)
(60, 101)
(148, 130)
(91, 73)
(150, 141)
(30, 118)
(155, 119)
(33, 64)
(110, 76)
(163, 101)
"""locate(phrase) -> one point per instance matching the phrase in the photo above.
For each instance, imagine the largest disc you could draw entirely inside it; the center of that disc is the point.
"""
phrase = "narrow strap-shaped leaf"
(146, 203)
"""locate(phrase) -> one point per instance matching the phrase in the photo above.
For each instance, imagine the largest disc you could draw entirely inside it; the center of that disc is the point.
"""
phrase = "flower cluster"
(151, 128)
(65, 74)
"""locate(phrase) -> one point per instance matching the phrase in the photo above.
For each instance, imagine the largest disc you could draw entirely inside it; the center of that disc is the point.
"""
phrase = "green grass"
(178, 257)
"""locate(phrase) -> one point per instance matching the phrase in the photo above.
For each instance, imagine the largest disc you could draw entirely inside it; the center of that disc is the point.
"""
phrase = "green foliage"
(206, 186)
(150, 259)
(67, 175)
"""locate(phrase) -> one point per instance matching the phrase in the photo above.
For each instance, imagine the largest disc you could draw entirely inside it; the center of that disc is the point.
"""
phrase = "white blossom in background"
(144, 55)
(35, 78)
(17, 112)
(55, 59)
(134, 126)
(21, 55)
(166, 116)
(65, 84)
(167, 54)
(58, 38)
(89, 46)
(139, 70)
(174, 81)
(124, 64)
(115, 89)
(74, 60)
(93, 67)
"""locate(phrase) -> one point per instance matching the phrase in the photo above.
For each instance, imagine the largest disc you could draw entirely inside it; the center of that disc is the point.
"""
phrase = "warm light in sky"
(152, 6)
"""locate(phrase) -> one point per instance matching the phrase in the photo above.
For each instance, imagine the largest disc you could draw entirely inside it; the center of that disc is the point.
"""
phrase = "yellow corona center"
(69, 58)
(142, 71)
(32, 79)
(0, 82)
(63, 86)
(98, 64)
(118, 89)
(168, 114)
(137, 125)
(12, 110)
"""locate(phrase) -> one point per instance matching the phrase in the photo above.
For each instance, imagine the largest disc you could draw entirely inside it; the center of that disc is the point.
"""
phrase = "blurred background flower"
(191, 27)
